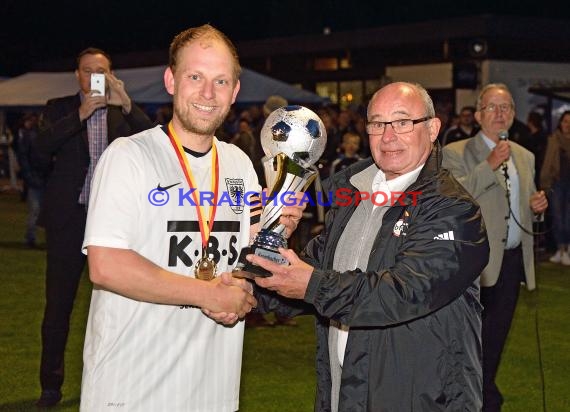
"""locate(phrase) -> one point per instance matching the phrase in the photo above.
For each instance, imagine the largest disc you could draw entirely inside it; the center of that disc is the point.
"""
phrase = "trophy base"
(245, 269)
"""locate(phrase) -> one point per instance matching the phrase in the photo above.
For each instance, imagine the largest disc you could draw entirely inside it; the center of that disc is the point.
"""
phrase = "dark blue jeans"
(34, 198)
(560, 212)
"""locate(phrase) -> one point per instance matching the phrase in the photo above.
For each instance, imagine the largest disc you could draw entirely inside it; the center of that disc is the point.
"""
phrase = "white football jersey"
(142, 356)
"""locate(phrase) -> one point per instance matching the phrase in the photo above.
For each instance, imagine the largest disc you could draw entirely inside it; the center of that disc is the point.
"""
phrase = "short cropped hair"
(94, 50)
(206, 32)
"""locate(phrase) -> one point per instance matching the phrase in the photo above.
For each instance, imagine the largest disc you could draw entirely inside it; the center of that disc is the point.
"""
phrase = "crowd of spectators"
(243, 127)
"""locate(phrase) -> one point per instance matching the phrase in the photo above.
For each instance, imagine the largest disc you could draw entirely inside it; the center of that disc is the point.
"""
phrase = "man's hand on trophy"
(289, 281)
(292, 214)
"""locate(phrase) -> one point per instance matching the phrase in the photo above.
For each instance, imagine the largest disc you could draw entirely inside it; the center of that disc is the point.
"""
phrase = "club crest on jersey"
(236, 190)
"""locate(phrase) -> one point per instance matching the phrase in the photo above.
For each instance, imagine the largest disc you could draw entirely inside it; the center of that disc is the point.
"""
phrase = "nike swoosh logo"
(162, 189)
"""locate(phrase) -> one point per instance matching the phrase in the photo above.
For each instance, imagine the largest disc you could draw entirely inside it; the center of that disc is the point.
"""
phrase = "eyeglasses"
(503, 108)
(399, 126)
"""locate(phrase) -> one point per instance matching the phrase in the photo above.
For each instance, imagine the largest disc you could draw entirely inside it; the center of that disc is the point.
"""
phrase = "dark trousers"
(65, 263)
(499, 302)
(560, 212)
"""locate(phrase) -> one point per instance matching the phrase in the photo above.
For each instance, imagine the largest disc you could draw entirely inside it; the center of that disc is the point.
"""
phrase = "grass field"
(278, 364)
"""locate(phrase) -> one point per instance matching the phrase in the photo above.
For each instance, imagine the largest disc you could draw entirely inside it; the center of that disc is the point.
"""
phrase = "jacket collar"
(433, 163)
(477, 148)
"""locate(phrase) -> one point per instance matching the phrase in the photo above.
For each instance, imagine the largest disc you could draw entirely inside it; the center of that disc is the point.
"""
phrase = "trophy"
(293, 139)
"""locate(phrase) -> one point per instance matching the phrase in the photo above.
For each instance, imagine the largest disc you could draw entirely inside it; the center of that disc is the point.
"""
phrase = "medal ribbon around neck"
(205, 229)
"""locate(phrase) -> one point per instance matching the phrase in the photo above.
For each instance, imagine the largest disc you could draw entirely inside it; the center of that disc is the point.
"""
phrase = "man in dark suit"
(74, 131)
(499, 174)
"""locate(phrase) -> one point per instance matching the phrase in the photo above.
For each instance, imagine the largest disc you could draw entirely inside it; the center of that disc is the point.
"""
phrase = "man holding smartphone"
(74, 131)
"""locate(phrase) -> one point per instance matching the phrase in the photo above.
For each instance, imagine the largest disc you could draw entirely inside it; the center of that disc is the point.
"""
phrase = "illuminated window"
(328, 89)
(350, 92)
(345, 63)
(326, 63)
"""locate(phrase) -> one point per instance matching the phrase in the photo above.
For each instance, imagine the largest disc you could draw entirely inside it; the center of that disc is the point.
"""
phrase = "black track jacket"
(414, 314)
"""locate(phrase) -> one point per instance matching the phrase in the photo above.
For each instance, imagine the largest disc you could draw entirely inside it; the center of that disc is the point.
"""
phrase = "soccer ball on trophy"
(296, 132)
(293, 139)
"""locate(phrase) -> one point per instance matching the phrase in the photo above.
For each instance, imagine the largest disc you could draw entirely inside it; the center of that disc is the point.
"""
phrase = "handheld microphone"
(503, 135)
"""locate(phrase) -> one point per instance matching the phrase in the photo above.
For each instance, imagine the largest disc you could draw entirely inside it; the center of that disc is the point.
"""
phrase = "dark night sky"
(32, 31)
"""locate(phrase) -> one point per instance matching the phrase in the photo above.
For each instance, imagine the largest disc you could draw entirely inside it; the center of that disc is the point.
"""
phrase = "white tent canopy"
(144, 85)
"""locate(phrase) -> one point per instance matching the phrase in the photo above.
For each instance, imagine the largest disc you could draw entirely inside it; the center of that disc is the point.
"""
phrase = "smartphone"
(98, 84)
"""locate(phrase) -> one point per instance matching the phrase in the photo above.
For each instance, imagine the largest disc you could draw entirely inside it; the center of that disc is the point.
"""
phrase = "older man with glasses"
(499, 174)
(394, 286)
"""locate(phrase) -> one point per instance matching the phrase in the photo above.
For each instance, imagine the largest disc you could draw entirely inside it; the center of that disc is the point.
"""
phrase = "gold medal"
(205, 268)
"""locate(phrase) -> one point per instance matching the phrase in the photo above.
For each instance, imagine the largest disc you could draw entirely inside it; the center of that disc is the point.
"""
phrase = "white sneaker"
(565, 260)
(556, 258)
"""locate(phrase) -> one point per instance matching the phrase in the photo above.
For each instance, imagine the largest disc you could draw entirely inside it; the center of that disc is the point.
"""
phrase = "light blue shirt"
(514, 233)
